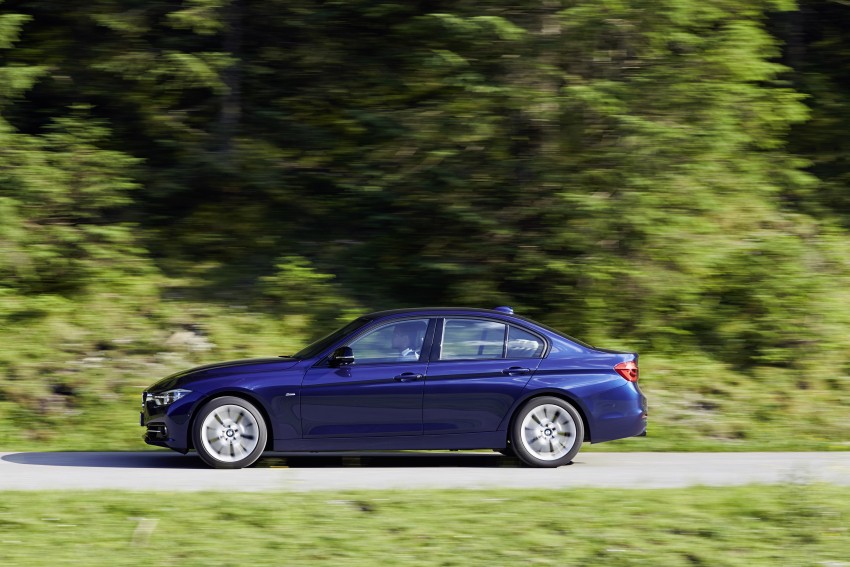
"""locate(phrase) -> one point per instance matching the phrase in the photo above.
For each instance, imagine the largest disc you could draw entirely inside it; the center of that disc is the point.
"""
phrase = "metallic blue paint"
(472, 396)
(426, 404)
(363, 400)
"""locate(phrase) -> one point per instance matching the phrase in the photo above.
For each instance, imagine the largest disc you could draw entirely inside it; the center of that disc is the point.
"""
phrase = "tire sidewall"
(199, 422)
(516, 432)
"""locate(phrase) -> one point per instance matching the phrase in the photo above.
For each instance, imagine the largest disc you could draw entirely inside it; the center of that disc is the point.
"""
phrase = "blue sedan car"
(438, 378)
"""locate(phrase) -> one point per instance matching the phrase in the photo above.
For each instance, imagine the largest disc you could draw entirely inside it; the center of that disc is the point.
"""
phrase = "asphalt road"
(169, 471)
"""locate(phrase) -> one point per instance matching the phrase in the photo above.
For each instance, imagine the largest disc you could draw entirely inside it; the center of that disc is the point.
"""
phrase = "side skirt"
(488, 440)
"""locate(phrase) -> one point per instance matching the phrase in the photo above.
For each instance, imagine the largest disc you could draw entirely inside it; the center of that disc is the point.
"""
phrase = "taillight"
(628, 370)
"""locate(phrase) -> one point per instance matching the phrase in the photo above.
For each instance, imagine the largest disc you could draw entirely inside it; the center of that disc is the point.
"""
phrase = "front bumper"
(167, 426)
(156, 434)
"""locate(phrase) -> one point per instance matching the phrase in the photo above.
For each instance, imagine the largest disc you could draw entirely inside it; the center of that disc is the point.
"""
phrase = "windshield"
(315, 348)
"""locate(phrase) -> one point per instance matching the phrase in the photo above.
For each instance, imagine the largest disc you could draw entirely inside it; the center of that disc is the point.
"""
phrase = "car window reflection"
(397, 342)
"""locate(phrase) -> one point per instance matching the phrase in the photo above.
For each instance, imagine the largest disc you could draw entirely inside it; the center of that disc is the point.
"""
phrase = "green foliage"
(669, 178)
(301, 294)
(818, 47)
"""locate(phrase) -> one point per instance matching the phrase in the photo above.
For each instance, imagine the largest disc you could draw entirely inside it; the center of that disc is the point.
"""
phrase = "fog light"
(157, 431)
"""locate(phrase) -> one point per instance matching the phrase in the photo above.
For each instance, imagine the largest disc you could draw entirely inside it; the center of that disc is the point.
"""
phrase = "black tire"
(547, 432)
(229, 433)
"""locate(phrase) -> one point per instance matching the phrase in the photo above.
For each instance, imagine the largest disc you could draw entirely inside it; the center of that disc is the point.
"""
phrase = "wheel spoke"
(225, 438)
(549, 432)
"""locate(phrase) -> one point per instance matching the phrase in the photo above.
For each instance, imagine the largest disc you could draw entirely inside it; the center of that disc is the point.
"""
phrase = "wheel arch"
(245, 395)
(561, 394)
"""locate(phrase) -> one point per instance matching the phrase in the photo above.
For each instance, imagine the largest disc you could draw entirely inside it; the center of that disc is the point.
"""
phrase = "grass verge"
(755, 525)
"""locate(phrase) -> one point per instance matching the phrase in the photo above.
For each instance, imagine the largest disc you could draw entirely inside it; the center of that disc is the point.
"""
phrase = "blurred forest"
(192, 181)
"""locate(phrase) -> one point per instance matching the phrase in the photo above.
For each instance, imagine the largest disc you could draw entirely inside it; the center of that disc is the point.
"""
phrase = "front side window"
(396, 342)
(465, 339)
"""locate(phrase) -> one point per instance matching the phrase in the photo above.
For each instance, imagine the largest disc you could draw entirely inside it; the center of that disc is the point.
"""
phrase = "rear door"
(479, 367)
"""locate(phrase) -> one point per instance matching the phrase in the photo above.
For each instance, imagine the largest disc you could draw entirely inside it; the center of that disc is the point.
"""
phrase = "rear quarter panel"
(613, 408)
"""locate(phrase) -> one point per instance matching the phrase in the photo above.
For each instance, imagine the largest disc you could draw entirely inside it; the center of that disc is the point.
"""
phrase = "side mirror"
(342, 356)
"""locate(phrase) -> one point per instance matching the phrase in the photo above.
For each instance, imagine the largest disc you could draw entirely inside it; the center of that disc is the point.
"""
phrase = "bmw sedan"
(437, 378)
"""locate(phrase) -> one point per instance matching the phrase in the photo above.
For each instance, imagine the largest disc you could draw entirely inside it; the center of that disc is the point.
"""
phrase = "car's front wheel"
(547, 432)
(229, 433)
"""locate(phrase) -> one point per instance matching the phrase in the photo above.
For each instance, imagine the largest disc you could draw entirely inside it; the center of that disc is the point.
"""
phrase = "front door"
(379, 395)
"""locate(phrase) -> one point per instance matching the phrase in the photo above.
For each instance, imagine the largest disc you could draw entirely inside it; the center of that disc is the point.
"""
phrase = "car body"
(422, 379)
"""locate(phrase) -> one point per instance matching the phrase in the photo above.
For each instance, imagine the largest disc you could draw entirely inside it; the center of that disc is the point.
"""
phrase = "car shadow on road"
(171, 460)
(128, 460)
(388, 460)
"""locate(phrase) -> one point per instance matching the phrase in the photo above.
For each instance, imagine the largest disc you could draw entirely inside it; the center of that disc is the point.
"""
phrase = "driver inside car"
(404, 342)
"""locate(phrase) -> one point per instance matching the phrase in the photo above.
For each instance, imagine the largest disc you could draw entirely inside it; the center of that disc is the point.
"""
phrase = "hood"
(218, 368)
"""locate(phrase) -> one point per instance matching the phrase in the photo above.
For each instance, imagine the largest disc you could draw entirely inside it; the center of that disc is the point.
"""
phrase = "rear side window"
(522, 344)
(465, 339)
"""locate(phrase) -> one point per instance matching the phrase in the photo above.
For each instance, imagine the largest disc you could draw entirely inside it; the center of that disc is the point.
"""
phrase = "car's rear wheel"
(547, 432)
(229, 433)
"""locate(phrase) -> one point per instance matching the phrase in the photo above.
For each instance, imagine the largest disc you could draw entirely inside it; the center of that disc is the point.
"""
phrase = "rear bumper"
(619, 413)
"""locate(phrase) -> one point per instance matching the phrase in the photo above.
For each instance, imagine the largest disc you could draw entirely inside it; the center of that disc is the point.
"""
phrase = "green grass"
(779, 525)
(698, 404)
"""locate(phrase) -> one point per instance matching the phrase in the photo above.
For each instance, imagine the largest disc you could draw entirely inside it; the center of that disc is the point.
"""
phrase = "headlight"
(167, 398)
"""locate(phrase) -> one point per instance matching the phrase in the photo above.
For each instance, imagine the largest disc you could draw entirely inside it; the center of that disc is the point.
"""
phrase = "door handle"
(515, 371)
(408, 377)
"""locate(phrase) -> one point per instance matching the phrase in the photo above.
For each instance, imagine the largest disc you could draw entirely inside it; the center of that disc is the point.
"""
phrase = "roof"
(498, 312)
(434, 310)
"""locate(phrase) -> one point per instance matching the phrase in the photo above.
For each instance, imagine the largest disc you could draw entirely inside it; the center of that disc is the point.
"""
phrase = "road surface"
(168, 471)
